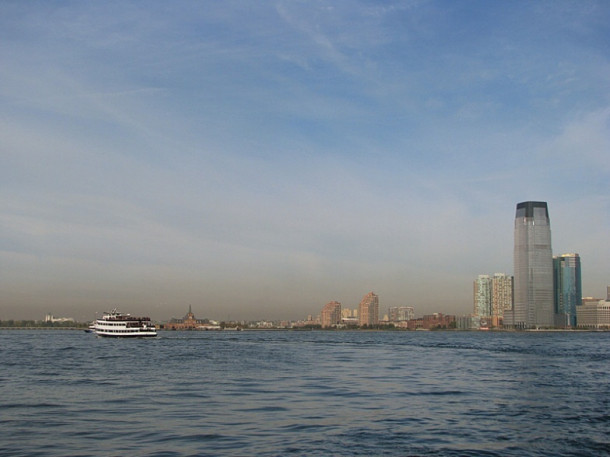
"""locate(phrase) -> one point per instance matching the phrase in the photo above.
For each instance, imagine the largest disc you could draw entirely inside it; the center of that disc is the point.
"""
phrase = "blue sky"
(258, 159)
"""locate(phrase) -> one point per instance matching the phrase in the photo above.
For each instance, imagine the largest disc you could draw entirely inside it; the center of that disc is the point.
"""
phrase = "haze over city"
(260, 159)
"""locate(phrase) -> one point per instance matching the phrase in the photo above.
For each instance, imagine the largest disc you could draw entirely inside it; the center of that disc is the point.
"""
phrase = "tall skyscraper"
(568, 288)
(533, 264)
(331, 314)
(368, 310)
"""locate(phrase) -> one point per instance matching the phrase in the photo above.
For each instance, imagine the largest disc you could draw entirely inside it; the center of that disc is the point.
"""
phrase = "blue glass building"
(567, 288)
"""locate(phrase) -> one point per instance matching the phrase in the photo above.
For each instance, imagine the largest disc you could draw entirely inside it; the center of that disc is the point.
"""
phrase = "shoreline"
(558, 330)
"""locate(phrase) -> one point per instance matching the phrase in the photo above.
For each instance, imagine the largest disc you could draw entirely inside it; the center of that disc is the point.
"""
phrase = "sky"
(256, 160)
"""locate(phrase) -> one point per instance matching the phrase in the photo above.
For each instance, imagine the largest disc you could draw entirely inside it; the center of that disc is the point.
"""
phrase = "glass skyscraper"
(533, 264)
(568, 288)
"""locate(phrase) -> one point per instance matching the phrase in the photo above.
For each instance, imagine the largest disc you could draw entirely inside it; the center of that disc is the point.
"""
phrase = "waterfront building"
(437, 320)
(567, 294)
(189, 322)
(331, 314)
(368, 310)
(492, 297)
(594, 315)
(482, 296)
(416, 323)
(502, 292)
(401, 313)
(533, 267)
(471, 322)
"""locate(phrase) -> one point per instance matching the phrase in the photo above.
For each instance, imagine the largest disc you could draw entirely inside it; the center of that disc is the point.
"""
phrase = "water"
(277, 393)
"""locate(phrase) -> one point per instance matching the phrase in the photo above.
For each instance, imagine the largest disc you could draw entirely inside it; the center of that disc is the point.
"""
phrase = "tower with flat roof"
(533, 265)
(568, 288)
(482, 296)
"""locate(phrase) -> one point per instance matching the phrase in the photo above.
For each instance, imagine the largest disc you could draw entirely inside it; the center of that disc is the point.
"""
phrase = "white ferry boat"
(119, 325)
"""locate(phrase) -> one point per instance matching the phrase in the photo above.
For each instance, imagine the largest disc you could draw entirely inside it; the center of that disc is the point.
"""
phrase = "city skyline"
(259, 160)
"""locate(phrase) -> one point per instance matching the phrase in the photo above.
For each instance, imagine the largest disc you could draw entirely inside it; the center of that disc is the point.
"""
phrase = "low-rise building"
(437, 320)
(189, 322)
(593, 314)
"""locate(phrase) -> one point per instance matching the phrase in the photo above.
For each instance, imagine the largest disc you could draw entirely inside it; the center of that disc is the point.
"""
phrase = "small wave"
(30, 405)
(266, 409)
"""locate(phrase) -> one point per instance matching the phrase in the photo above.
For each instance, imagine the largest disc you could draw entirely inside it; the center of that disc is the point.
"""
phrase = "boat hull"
(126, 335)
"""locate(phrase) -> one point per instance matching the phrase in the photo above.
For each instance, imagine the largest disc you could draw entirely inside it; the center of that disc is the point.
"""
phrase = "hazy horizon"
(258, 160)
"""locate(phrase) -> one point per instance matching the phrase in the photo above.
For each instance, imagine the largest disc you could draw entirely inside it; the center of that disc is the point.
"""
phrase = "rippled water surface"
(276, 393)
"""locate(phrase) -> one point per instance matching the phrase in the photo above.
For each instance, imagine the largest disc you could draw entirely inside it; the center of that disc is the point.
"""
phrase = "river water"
(309, 393)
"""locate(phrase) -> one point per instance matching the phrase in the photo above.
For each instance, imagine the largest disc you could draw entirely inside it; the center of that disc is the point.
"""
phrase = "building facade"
(533, 267)
(493, 296)
(368, 310)
(401, 313)
(482, 296)
(567, 293)
(331, 314)
(502, 293)
(594, 315)
(438, 320)
(189, 322)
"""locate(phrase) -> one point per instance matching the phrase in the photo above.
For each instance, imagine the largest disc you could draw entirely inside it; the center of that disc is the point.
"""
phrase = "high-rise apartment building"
(482, 296)
(567, 288)
(368, 310)
(331, 314)
(502, 292)
(533, 265)
(492, 297)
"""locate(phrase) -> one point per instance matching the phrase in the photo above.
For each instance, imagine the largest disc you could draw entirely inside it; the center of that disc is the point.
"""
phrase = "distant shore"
(499, 330)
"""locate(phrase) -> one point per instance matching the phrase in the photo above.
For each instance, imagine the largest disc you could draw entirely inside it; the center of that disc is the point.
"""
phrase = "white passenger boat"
(119, 325)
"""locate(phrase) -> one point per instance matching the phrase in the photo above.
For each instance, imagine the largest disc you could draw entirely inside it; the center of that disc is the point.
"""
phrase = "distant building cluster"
(545, 291)
(53, 319)
(367, 316)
